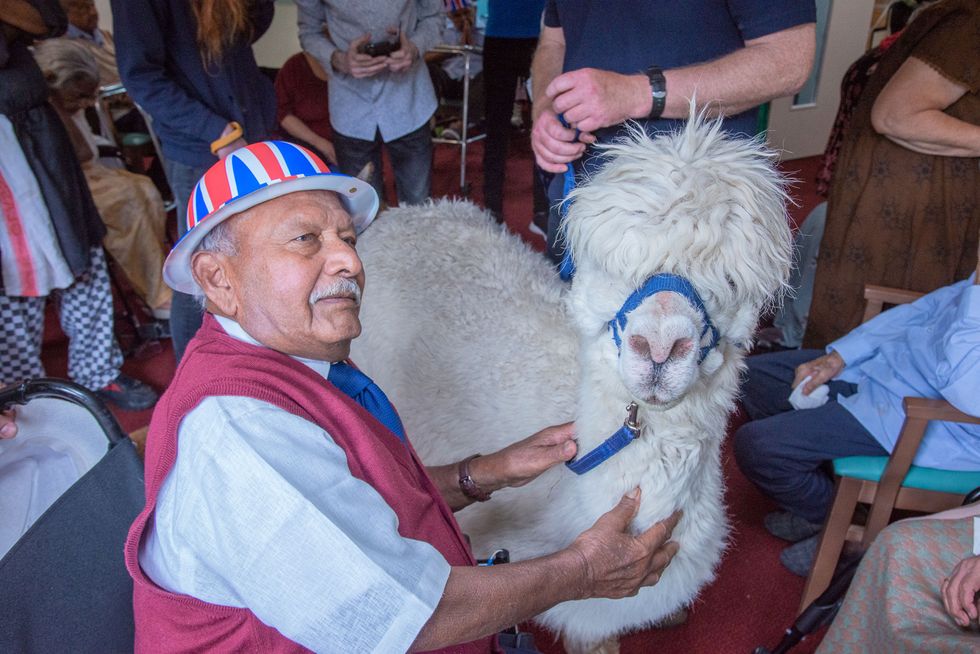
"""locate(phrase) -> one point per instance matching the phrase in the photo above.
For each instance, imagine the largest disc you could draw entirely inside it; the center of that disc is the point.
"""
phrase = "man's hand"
(617, 564)
(960, 591)
(590, 98)
(357, 64)
(523, 461)
(8, 426)
(554, 145)
(402, 59)
(820, 371)
(231, 147)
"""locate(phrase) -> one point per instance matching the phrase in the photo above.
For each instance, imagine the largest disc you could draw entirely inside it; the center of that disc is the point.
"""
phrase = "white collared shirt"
(261, 511)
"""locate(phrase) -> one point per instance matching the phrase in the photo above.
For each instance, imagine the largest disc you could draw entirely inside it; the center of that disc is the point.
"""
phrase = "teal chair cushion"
(135, 139)
(870, 468)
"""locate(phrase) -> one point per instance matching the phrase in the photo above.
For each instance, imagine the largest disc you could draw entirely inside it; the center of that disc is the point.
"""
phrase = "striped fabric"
(456, 5)
(32, 262)
(247, 170)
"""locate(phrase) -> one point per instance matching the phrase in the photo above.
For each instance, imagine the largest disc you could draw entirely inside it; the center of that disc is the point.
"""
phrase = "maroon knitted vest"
(216, 364)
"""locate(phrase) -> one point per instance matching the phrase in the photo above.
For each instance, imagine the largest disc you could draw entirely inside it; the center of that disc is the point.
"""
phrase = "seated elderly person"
(915, 591)
(286, 509)
(854, 391)
(130, 204)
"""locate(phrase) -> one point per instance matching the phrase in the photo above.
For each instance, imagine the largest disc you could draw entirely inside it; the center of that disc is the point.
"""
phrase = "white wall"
(272, 50)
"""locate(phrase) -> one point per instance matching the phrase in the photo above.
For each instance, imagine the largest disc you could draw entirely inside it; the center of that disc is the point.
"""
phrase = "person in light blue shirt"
(929, 348)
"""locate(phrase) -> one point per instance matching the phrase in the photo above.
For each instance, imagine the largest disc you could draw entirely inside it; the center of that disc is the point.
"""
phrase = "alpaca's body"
(478, 344)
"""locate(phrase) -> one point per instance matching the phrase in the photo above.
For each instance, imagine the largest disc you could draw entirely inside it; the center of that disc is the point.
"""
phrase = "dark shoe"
(128, 394)
(788, 526)
(798, 558)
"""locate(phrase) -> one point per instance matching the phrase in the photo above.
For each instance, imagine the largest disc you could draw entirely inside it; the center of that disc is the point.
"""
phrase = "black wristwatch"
(658, 91)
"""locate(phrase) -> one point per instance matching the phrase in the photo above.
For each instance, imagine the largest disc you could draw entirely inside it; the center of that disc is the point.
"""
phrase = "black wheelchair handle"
(69, 391)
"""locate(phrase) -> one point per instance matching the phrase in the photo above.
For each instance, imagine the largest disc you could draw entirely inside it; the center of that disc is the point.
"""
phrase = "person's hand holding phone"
(402, 59)
(356, 63)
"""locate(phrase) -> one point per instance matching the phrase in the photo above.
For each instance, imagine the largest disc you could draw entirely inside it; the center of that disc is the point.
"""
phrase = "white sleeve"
(261, 511)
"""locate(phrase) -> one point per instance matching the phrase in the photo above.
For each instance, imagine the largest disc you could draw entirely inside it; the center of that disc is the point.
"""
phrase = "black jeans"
(783, 450)
(411, 157)
(504, 61)
(185, 311)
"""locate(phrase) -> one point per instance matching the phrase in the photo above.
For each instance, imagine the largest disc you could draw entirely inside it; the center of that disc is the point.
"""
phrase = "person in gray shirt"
(380, 90)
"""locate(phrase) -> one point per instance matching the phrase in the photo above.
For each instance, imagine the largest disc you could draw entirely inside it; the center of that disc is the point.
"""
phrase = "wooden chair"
(887, 483)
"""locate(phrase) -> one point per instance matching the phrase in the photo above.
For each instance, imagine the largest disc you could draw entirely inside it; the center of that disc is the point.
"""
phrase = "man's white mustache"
(342, 287)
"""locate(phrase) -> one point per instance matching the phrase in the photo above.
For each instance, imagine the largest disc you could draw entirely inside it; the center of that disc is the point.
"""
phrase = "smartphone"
(380, 48)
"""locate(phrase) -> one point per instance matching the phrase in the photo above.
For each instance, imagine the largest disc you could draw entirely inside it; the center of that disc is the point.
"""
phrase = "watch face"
(659, 95)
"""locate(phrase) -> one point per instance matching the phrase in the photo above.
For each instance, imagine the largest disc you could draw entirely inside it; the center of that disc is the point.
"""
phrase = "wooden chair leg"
(832, 539)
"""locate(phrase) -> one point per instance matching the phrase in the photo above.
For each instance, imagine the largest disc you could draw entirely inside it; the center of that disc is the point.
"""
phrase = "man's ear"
(212, 271)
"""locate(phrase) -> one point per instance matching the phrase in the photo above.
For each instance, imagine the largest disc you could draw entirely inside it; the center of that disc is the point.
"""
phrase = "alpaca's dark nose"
(660, 353)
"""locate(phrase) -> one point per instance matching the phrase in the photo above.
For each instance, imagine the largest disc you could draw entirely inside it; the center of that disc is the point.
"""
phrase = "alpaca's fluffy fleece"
(478, 344)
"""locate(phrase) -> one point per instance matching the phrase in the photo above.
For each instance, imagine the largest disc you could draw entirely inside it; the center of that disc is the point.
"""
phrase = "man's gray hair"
(220, 240)
(65, 61)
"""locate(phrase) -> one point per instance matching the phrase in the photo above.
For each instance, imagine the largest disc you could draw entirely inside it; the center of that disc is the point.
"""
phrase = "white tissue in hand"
(817, 398)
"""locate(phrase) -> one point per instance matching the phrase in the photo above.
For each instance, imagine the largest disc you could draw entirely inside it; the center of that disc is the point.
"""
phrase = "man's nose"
(342, 257)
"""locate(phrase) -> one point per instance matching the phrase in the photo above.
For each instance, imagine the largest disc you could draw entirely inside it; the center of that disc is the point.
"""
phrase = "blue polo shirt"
(514, 19)
(628, 37)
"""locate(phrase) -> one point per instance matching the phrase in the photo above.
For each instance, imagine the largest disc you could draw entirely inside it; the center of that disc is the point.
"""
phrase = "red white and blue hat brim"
(358, 197)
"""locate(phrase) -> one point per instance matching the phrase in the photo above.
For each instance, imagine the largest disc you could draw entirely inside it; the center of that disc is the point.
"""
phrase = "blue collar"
(655, 284)
(626, 434)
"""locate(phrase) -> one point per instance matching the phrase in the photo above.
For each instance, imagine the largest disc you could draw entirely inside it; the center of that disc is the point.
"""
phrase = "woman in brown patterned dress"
(905, 196)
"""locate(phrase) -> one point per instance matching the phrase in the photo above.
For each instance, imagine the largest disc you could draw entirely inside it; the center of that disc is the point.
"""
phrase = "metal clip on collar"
(626, 434)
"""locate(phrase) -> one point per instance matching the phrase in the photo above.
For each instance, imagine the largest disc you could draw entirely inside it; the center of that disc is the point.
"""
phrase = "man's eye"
(351, 241)
(306, 238)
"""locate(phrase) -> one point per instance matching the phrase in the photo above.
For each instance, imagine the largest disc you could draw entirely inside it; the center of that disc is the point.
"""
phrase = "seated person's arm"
(315, 552)
(515, 465)
(301, 130)
(960, 589)
(25, 17)
(959, 364)
(910, 111)
(864, 340)
(604, 561)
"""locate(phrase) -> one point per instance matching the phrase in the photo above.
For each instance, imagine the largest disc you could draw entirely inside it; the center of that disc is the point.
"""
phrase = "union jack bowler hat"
(252, 175)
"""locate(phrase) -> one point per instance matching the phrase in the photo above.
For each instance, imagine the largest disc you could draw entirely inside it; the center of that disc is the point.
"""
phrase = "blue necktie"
(359, 387)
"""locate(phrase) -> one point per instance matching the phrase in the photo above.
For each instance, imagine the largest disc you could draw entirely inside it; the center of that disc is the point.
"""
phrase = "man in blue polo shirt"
(599, 64)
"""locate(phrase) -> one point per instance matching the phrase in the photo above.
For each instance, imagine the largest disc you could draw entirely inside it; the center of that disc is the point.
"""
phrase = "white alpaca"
(479, 344)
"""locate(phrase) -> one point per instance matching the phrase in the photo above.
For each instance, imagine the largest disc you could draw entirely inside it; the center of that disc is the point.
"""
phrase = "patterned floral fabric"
(894, 604)
(896, 217)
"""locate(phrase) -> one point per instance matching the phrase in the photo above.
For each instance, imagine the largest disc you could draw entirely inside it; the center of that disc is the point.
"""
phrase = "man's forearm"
(23, 16)
(479, 601)
(767, 68)
(549, 57)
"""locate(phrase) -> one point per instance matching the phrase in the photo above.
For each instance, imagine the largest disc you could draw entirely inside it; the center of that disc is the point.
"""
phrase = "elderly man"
(848, 402)
(286, 509)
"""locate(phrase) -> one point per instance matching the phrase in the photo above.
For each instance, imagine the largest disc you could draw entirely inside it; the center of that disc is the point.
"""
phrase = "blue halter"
(626, 434)
(655, 284)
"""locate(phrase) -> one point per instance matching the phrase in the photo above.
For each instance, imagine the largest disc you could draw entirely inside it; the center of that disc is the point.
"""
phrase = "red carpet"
(753, 598)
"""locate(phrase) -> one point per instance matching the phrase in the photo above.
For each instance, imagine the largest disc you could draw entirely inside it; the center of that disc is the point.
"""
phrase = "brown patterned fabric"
(896, 217)
(894, 602)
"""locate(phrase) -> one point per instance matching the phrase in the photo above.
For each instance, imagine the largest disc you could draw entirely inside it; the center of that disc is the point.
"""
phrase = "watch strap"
(658, 91)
